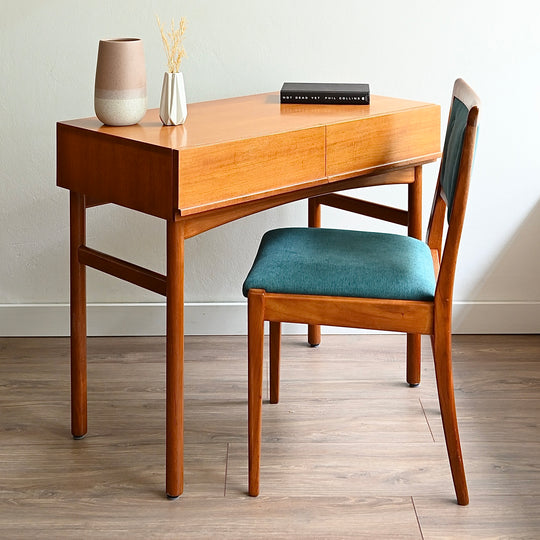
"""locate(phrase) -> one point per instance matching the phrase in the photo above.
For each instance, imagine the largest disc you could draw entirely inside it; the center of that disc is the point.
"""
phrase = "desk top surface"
(233, 119)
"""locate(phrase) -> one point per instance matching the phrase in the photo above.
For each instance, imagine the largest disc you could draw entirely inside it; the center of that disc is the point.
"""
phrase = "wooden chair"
(368, 280)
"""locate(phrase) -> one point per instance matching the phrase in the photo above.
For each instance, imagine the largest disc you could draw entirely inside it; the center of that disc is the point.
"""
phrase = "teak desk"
(231, 158)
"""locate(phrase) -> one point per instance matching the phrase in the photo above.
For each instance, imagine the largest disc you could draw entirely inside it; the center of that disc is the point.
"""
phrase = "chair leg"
(442, 354)
(314, 335)
(414, 358)
(414, 205)
(314, 220)
(255, 385)
(275, 353)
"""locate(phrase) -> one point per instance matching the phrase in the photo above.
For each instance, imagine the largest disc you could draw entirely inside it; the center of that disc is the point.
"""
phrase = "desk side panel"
(228, 173)
(382, 141)
(115, 170)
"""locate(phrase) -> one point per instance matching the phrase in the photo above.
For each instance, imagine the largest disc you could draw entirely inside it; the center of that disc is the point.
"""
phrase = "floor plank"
(241, 517)
(488, 516)
(369, 469)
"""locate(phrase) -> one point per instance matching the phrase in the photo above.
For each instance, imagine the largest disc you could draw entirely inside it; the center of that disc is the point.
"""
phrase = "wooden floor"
(350, 451)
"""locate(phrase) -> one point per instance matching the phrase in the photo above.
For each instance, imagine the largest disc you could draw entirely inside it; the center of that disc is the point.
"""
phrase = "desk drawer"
(369, 143)
(231, 172)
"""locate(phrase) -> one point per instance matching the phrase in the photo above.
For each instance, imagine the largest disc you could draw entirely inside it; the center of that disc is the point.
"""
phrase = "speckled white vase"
(173, 105)
(120, 91)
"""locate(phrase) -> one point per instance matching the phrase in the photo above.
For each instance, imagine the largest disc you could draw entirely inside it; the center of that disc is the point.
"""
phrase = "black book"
(325, 93)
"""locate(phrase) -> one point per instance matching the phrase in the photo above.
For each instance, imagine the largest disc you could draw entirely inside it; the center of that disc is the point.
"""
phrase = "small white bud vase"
(120, 90)
(173, 106)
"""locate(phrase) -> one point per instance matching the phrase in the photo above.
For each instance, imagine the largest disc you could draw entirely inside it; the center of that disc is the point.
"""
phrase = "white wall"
(411, 49)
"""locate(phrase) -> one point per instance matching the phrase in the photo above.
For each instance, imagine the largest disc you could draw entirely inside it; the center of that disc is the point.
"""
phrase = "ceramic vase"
(120, 91)
(173, 106)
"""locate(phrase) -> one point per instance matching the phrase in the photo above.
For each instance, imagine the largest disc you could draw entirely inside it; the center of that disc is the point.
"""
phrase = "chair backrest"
(453, 182)
(463, 100)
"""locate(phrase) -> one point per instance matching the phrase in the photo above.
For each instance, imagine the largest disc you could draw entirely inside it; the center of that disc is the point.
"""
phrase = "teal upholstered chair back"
(453, 185)
(463, 99)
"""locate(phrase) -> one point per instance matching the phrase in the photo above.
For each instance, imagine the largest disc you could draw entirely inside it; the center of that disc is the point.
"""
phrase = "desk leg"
(77, 219)
(314, 220)
(175, 359)
(414, 341)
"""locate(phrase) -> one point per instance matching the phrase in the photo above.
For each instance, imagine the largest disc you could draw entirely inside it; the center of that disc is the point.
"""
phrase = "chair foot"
(79, 437)
(313, 345)
(314, 335)
(414, 385)
(172, 497)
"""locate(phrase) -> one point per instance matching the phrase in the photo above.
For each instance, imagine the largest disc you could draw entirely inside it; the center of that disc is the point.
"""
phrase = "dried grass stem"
(173, 43)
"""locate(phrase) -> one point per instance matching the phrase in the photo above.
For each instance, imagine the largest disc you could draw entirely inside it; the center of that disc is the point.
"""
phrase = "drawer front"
(233, 172)
(362, 145)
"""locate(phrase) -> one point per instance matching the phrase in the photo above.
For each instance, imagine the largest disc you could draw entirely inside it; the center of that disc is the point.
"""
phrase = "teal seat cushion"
(333, 262)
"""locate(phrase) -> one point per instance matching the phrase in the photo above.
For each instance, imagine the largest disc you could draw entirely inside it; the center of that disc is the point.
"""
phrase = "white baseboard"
(148, 319)
(496, 318)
